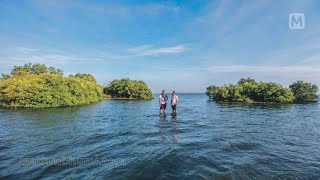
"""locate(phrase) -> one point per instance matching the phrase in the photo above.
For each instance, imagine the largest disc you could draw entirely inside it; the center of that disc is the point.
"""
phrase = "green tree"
(244, 81)
(272, 92)
(127, 88)
(34, 69)
(247, 90)
(53, 70)
(303, 91)
(4, 76)
(32, 86)
(84, 76)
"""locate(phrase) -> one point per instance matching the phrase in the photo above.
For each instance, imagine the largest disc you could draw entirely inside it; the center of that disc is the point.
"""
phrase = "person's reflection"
(162, 118)
(162, 124)
(174, 118)
(168, 130)
(174, 135)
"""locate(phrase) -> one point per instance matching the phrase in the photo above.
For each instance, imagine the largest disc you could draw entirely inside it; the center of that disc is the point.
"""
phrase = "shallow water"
(128, 139)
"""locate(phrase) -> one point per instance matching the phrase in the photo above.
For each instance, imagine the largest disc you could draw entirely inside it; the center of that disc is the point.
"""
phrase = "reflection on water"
(126, 139)
(168, 129)
(175, 129)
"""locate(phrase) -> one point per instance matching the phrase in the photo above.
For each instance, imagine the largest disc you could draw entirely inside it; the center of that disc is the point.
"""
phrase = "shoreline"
(234, 102)
(109, 98)
(275, 103)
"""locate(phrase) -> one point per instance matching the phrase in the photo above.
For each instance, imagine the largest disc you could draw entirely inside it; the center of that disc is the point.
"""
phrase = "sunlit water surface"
(128, 140)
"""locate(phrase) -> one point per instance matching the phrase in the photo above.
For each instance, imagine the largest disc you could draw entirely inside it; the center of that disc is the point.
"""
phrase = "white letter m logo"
(296, 21)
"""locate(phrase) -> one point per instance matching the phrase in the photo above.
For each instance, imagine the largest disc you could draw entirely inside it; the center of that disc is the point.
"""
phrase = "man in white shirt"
(174, 102)
(163, 98)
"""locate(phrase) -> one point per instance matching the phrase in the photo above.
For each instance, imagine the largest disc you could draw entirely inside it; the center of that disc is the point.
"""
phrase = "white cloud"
(148, 50)
(25, 49)
(221, 18)
(21, 55)
(139, 49)
(118, 9)
(125, 10)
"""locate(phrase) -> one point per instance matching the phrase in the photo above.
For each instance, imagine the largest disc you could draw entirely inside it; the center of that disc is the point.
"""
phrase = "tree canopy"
(39, 86)
(85, 76)
(35, 69)
(304, 92)
(127, 88)
(249, 91)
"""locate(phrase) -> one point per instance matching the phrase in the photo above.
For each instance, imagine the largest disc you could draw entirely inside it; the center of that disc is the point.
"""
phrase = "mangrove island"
(247, 90)
(128, 89)
(39, 86)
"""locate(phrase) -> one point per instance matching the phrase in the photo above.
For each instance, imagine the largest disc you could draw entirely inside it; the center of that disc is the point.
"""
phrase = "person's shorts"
(163, 106)
(174, 107)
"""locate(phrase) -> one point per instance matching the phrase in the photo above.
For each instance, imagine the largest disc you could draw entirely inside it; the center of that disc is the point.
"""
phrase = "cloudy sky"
(176, 45)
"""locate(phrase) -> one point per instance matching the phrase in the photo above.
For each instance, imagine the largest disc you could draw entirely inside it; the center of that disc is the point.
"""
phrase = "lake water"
(128, 139)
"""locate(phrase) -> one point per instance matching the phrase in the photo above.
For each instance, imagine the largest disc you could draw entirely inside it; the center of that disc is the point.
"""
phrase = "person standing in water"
(174, 102)
(163, 98)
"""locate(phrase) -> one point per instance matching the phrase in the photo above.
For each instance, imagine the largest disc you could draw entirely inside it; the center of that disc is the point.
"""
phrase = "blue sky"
(176, 45)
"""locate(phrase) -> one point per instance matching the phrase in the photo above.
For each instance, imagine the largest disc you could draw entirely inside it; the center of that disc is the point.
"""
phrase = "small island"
(39, 86)
(247, 90)
(128, 89)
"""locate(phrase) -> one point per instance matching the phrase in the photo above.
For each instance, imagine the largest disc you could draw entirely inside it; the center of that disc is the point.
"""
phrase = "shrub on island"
(38, 86)
(127, 88)
(249, 91)
(304, 92)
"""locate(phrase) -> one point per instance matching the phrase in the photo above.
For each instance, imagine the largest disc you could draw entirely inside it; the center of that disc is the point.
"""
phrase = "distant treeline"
(39, 86)
(247, 90)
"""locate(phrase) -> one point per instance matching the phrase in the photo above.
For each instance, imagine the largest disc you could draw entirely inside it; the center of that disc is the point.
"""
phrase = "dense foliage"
(127, 88)
(87, 77)
(304, 92)
(38, 86)
(32, 69)
(250, 91)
